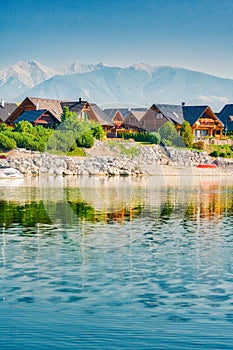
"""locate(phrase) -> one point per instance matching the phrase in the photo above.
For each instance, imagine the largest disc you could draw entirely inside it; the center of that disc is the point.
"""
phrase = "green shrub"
(155, 138)
(97, 131)
(186, 134)
(215, 153)
(85, 140)
(3, 127)
(6, 143)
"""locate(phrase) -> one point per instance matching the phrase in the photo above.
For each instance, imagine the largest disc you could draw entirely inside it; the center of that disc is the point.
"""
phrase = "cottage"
(117, 116)
(158, 114)
(134, 117)
(91, 111)
(38, 117)
(204, 121)
(226, 117)
(75, 106)
(34, 103)
(6, 110)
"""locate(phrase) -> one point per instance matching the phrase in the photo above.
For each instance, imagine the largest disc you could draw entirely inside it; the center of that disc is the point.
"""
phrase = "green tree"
(23, 126)
(186, 134)
(97, 130)
(66, 114)
(6, 142)
(168, 133)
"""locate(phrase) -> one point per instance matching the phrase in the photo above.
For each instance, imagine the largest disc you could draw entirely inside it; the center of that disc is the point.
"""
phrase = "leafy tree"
(186, 134)
(97, 131)
(168, 134)
(66, 114)
(23, 126)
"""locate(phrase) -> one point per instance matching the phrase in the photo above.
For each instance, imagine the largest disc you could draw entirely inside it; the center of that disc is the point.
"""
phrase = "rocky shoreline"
(147, 160)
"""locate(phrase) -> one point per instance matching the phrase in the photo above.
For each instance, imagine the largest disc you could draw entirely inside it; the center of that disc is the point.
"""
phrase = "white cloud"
(213, 98)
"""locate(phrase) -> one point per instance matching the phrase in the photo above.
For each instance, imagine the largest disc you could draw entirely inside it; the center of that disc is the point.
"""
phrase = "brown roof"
(54, 106)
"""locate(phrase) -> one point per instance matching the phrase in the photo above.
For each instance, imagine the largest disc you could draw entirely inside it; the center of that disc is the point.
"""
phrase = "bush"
(155, 138)
(152, 137)
(6, 143)
(85, 140)
(97, 131)
(215, 153)
(199, 145)
(3, 127)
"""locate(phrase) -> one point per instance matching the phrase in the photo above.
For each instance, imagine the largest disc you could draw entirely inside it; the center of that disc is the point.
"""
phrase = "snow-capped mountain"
(19, 77)
(138, 85)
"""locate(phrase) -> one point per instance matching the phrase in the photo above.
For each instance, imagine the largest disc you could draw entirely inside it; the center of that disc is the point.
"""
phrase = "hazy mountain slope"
(106, 85)
(134, 85)
(174, 85)
(19, 77)
(140, 84)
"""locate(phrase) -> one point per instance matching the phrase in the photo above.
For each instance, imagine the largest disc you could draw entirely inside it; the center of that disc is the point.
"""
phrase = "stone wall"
(147, 160)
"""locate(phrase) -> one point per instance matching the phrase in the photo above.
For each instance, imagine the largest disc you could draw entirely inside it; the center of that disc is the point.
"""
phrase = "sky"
(194, 34)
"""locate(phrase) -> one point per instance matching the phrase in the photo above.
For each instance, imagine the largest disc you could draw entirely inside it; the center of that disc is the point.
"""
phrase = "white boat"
(9, 173)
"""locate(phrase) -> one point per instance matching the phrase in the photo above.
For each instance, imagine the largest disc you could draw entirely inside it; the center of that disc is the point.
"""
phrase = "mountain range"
(137, 85)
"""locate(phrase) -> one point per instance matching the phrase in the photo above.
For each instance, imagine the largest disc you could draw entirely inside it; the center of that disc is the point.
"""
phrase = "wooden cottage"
(204, 121)
(117, 116)
(6, 109)
(91, 111)
(41, 117)
(34, 103)
(226, 117)
(76, 107)
(134, 117)
(158, 114)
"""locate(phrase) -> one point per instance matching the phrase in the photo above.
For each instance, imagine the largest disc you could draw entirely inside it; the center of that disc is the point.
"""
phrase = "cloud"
(213, 98)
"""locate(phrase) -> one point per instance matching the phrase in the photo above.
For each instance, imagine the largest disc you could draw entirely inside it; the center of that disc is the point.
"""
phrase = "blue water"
(157, 279)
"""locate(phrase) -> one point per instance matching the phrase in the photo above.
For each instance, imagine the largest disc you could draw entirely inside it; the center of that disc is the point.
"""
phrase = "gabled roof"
(173, 113)
(74, 106)
(225, 113)
(192, 113)
(54, 106)
(31, 116)
(110, 112)
(138, 112)
(226, 116)
(102, 117)
(6, 111)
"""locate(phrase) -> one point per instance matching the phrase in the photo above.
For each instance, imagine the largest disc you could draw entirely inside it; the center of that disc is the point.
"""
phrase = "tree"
(23, 126)
(168, 133)
(186, 134)
(97, 130)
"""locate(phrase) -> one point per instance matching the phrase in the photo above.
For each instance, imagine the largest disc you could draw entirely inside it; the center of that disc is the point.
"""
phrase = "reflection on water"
(73, 200)
(97, 263)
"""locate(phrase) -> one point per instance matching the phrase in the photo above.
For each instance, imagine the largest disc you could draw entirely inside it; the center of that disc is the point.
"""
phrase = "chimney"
(183, 104)
(2, 103)
(37, 106)
(80, 99)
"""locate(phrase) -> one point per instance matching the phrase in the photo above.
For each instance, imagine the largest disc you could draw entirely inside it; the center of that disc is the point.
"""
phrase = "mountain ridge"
(140, 84)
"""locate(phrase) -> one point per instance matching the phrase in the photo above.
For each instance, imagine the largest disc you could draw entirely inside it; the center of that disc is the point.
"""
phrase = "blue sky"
(196, 34)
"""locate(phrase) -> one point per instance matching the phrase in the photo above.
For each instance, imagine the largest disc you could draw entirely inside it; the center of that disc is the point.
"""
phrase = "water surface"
(97, 263)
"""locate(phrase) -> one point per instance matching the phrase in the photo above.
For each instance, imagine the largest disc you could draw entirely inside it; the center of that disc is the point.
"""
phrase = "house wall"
(207, 125)
(152, 121)
(131, 120)
(46, 121)
(118, 119)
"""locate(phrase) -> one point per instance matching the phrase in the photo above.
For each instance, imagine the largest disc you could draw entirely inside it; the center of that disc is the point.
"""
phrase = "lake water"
(110, 263)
